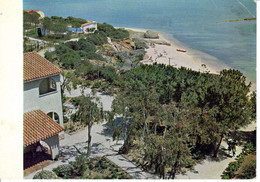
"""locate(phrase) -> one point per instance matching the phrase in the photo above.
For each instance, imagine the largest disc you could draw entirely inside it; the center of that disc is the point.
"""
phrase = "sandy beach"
(178, 55)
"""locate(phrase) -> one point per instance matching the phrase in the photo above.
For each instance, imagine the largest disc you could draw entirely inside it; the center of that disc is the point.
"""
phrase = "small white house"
(89, 27)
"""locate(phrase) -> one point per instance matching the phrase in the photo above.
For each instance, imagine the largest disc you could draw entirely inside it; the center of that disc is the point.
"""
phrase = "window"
(47, 85)
(54, 116)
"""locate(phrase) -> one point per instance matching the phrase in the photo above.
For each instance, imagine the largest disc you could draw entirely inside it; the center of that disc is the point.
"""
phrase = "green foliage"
(79, 165)
(229, 172)
(62, 49)
(207, 106)
(59, 25)
(50, 56)
(45, 174)
(64, 171)
(253, 104)
(96, 84)
(98, 38)
(110, 31)
(30, 18)
(249, 171)
(70, 59)
(65, 119)
(86, 45)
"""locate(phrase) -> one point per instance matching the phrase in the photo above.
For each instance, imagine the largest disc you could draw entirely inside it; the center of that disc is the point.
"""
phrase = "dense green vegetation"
(30, 19)
(182, 113)
(112, 32)
(179, 114)
(94, 168)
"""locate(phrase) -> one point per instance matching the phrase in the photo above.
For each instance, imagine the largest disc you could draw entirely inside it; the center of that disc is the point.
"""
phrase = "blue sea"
(195, 23)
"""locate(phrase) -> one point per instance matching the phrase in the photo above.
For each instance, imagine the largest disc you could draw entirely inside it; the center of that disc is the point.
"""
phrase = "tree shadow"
(68, 152)
(223, 154)
(109, 128)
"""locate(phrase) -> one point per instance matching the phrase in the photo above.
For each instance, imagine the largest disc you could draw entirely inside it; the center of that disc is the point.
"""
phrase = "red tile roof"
(38, 126)
(36, 66)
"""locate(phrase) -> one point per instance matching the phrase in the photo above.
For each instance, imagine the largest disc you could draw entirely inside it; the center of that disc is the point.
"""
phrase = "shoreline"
(191, 58)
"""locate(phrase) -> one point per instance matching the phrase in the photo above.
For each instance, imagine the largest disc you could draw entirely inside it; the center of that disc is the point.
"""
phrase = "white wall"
(50, 102)
(53, 143)
(92, 25)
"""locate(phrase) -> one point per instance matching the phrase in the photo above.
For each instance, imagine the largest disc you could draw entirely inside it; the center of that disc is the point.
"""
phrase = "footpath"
(103, 144)
(212, 168)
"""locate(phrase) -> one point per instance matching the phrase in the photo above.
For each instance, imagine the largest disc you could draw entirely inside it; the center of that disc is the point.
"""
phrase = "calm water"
(193, 22)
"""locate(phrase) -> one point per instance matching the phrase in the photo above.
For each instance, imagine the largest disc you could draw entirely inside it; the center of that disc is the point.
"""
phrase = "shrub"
(64, 171)
(62, 49)
(113, 33)
(80, 165)
(249, 170)
(86, 45)
(87, 83)
(140, 44)
(45, 174)
(65, 119)
(49, 56)
(96, 84)
(98, 38)
(70, 59)
(73, 45)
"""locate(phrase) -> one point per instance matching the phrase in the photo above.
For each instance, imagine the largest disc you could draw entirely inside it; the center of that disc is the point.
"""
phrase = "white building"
(43, 116)
(89, 27)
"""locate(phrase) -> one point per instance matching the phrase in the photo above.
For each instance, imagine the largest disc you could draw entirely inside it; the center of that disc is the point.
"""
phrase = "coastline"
(191, 58)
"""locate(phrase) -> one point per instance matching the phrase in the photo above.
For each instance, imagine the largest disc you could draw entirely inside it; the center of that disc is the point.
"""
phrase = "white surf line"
(245, 8)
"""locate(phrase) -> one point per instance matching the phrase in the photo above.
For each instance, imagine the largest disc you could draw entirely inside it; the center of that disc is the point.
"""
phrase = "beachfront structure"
(36, 11)
(89, 27)
(43, 116)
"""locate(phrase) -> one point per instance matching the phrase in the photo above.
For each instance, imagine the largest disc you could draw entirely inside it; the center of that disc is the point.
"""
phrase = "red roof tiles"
(36, 66)
(38, 126)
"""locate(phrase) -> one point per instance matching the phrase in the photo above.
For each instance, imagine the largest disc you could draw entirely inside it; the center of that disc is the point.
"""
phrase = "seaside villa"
(43, 116)
(89, 27)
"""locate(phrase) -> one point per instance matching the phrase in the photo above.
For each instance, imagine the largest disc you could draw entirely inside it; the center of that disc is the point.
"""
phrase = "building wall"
(49, 102)
(92, 25)
(53, 143)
